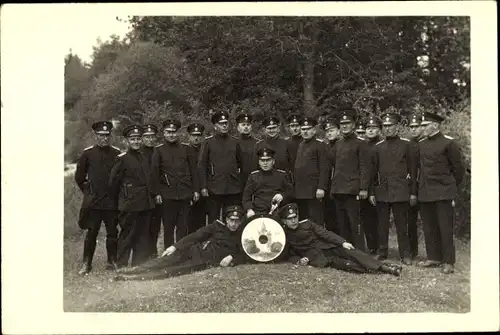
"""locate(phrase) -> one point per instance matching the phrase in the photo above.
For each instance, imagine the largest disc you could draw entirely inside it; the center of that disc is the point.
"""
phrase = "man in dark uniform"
(130, 183)
(219, 168)
(148, 146)
(351, 179)
(295, 135)
(441, 171)
(217, 244)
(247, 145)
(176, 181)
(283, 154)
(369, 215)
(266, 185)
(394, 185)
(311, 244)
(332, 134)
(416, 135)
(198, 211)
(91, 176)
(311, 173)
(360, 130)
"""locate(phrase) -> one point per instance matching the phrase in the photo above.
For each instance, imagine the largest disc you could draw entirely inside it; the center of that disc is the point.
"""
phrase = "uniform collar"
(373, 140)
(436, 135)
(391, 138)
(351, 135)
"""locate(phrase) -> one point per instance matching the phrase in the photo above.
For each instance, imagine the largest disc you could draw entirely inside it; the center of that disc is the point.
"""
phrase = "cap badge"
(223, 117)
(290, 210)
(235, 213)
(345, 117)
(388, 119)
(105, 128)
(306, 123)
(271, 122)
(149, 128)
(136, 130)
(195, 128)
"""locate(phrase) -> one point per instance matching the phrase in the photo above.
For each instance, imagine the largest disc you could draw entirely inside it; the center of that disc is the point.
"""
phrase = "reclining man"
(309, 243)
(217, 244)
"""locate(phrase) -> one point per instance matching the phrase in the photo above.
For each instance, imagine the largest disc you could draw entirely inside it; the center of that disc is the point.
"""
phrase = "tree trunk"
(308, 86)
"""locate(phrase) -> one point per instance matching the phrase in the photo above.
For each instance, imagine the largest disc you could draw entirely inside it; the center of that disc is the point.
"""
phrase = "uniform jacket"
(329, 147)
(311, 169)
(220, 164)
(441, 168)
(283, 154)
(351, 164)
(148, 154)
(247, 146)
(370, 148)
(130, 182)
(92, 174)
(395, 170)
(212, 243)
(294, 142)
(174, 171)
(309, 239)
(262, 186)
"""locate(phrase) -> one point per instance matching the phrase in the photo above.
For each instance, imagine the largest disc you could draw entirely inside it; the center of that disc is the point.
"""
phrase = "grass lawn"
(267, 288)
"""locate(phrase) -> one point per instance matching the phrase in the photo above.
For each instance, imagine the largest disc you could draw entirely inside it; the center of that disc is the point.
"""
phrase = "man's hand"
(348, 246)
(363, 194)
(250, 213)
(158, 199)
(277, 198)
(226, 261)
(169, 251)
(372, 200)
(304, 261)
(320, 194)
(196, 196)
(413, 200)
(204, 192)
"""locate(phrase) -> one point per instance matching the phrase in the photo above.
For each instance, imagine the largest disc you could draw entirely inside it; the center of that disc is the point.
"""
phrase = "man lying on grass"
(217, 244)
(309, 243)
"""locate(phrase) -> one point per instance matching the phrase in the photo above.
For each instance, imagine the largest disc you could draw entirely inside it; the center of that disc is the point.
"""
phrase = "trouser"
(311, 209)
(134, 237)
(400, 213)
(438, 230)
(93, 218)
(413, 230)
(174, 215)
(198, 215)
(349, 220)
(217, 202)
(352, 261)
(330, 215)
(369, 218)
(176, 264)
(154, 230)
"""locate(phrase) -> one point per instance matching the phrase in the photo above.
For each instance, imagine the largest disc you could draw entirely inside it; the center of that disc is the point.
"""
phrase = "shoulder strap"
(88, 148)
(122, 154)
(379, 142)
(449, 137)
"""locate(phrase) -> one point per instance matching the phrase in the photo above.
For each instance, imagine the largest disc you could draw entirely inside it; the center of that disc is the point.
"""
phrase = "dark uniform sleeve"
(203, 164)
(455, 160)
(374, 163)
(116, 178)
(193, 166)
(327, 235)
(248, 192)
(155, 171)
(239, 160)
(324, 166)
(412, 162)
(288, 190)
(202, 234)
(291, 161)
(81, 170)
(293, 257)
(365, 166)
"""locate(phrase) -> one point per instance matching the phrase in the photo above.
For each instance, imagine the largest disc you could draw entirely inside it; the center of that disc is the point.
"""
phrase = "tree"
(76, 77)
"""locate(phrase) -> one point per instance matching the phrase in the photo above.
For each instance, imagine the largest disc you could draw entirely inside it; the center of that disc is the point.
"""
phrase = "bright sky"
(82, 35)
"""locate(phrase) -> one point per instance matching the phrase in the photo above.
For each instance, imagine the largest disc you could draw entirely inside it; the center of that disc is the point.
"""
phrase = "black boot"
(86, 268)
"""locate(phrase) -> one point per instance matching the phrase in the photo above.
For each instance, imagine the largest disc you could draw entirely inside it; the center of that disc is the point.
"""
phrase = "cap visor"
(424, 123)
(195, 133)
(149, 133)
(103, 132)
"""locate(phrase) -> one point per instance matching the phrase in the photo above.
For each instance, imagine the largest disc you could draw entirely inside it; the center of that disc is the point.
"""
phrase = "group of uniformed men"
(347, 183)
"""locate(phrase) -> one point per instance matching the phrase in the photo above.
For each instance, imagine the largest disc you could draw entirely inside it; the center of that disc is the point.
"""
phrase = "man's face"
(292, 223)
(294, 129)
(102, 140)
(266, 164)
(134, 142)
(332, 133)
(170, 136)
(430, 129)
(347, 128)
(194, 139)
(390, 130)
(149, 140)
(244, 128)
(222, 127)
(372, 132)
(416, 131)
(308, 133)
(271, 131)
(232, 223)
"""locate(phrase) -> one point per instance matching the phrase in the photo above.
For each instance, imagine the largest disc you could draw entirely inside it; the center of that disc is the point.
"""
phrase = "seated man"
(309, 243)
(266, 186)
(215, 244)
